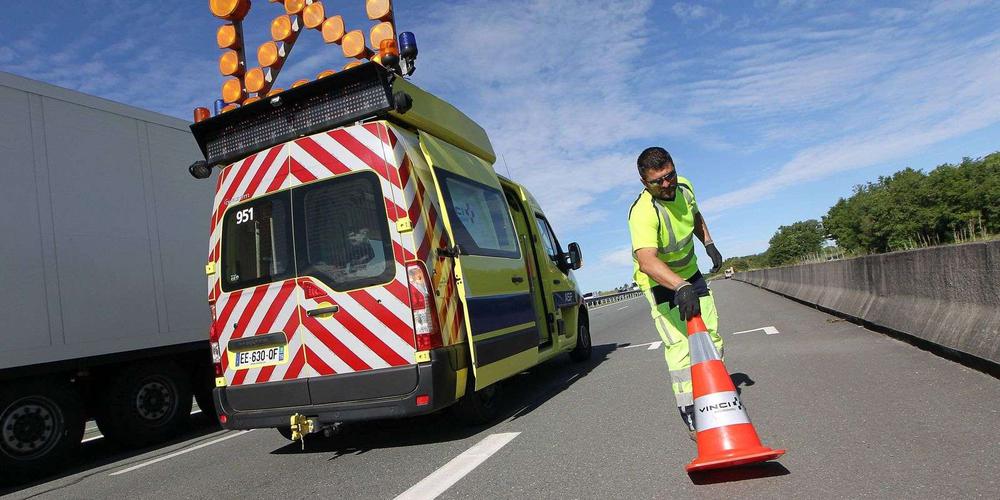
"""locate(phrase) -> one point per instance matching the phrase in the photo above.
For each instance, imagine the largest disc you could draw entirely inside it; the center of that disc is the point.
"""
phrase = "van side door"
(491, 274)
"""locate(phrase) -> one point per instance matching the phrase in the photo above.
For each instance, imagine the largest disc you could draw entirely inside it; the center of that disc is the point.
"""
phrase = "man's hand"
(687, 301)
(716, 257)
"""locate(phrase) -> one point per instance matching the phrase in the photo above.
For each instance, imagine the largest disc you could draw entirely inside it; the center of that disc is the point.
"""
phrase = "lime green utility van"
(366, 261)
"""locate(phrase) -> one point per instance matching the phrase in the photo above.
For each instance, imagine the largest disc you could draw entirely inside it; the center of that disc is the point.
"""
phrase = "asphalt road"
(861, 415)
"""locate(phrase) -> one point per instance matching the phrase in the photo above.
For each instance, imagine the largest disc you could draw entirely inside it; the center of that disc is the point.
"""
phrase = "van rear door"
(352, 284)
(490, 264)
(257, 314)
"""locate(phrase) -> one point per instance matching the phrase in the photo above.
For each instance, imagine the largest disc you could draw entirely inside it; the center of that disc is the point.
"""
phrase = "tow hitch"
(302, 426)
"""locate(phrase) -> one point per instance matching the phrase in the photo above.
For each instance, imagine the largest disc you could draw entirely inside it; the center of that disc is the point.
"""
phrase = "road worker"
(663, 222)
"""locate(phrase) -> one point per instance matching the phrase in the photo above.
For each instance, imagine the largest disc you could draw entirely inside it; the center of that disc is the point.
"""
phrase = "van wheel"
(583, 348)
(144, 404)
(41, 425)
(478, 407)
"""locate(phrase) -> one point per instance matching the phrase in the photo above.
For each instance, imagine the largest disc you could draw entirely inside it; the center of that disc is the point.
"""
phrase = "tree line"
(908, 209)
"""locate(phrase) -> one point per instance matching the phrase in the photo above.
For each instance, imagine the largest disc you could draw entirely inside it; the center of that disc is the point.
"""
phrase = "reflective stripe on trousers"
(673, 332)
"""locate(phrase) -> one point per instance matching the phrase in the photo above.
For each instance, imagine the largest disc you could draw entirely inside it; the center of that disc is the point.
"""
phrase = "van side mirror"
(575, 256)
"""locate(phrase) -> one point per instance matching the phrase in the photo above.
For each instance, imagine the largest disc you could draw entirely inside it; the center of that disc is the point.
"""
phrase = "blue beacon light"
(407, 45)
(408, 50)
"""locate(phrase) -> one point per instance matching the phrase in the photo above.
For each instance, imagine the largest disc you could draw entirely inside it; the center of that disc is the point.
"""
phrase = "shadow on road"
(520, 395)
(95, 455)
(744, 473)
(741, 379)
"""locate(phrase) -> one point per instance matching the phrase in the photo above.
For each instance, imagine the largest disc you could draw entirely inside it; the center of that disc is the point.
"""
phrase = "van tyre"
(202, 385)
(583, 347)
(145, 403)
(478, 407)
(41, 425)
(285, 431)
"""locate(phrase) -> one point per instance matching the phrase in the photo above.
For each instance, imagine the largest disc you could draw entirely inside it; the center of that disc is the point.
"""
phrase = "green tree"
(793, 242)
(910, 207)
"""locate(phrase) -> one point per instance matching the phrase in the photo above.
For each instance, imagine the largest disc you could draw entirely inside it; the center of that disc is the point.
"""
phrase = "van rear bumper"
(436, 379)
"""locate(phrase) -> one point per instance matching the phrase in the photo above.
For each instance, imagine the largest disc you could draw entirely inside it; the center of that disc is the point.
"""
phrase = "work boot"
(687, 415)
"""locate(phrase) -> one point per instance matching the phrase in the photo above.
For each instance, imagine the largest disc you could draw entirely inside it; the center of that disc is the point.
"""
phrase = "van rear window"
(341, 234)
(257, 242)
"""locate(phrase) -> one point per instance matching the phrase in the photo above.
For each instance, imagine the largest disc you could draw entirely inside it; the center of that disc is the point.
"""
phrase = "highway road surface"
(861, 415)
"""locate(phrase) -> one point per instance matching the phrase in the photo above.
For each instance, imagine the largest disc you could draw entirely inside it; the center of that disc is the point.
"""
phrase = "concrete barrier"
(948, 295)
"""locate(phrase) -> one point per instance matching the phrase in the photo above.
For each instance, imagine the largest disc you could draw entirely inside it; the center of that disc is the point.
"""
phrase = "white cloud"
(558, 102)
(617, 258)
(879, 105)
(688, 12)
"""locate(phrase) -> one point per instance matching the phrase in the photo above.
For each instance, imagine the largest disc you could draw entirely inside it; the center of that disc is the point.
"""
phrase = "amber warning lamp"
(380, 43)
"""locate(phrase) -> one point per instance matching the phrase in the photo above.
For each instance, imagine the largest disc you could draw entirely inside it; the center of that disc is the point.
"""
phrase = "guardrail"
(610, 299)
(947, 295)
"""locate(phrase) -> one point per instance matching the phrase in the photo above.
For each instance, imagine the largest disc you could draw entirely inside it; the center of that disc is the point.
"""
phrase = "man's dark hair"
(653, 158)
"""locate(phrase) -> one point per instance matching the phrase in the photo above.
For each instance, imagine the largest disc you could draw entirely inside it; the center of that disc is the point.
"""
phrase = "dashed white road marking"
(652, 345)
(101, 436)
(770, 330)
(451, 472)
(181, 452)
(620, 308)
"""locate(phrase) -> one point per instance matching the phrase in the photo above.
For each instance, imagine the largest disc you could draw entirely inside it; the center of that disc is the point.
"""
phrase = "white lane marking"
(101, 436)
(620, 308)
(613, 303)
(652, 345)
(770, 330)
(178, 453)
(451, 472)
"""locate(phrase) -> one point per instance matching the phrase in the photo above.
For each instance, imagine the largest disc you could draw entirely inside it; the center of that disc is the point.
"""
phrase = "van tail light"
(213, 342)
(425, 324)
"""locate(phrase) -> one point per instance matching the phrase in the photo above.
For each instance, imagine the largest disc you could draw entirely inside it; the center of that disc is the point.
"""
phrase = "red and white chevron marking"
(256, 175)
(257, 311)
(373, 328)
(428, 230)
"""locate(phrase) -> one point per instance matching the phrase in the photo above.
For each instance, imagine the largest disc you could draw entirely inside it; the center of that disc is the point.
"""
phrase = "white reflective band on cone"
(702, 349)
(718, 410)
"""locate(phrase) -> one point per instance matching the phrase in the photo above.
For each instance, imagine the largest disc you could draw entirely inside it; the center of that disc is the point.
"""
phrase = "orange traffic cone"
(726, 438)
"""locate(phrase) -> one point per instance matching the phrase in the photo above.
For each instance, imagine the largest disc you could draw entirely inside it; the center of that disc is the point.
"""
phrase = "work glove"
(716, 257)
(687, 301)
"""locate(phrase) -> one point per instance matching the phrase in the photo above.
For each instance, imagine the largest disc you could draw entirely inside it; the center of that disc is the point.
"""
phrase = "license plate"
(256, 358)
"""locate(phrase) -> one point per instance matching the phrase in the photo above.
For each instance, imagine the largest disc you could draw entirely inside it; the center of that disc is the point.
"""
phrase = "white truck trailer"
(102, 295)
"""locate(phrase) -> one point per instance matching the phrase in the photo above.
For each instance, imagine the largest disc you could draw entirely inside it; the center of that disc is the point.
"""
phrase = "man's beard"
(662, 194)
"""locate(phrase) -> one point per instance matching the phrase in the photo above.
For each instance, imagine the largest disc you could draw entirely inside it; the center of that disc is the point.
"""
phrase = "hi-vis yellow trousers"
(673, 331)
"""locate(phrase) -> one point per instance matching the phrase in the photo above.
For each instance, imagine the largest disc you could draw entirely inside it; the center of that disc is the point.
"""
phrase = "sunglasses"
(659, 180)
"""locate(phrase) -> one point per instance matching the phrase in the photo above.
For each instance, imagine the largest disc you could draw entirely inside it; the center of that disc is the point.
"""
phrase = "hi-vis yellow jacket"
(667, 226)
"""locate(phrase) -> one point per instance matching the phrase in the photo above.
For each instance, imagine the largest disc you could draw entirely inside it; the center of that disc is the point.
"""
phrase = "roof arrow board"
(770, 330)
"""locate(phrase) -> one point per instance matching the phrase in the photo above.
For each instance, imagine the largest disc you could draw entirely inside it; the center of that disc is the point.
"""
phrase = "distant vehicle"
(729, 273)
(588, 295)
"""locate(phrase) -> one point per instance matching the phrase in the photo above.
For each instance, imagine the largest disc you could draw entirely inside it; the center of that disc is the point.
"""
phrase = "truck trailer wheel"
(583, 347)
(144, 403)
(41, 425)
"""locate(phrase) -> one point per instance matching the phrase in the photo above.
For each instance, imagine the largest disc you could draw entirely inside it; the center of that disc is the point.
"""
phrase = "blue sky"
(773, 108)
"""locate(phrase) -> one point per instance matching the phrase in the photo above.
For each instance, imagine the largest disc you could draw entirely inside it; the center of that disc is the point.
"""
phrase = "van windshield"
(341, 236)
